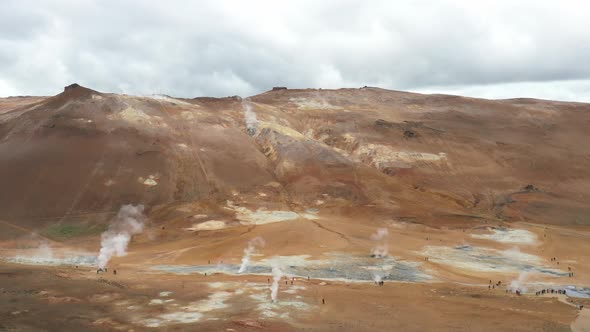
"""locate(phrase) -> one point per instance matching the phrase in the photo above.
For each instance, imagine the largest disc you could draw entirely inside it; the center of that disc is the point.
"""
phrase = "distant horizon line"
(276, 89)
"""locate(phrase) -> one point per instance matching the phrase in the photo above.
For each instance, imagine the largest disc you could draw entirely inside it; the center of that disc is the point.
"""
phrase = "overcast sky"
(491, 49)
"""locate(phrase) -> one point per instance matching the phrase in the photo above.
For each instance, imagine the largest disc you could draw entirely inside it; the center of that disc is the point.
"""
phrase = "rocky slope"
(432, 159)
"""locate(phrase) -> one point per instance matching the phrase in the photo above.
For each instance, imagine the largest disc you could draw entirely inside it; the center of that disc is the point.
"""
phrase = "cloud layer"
(491, 49)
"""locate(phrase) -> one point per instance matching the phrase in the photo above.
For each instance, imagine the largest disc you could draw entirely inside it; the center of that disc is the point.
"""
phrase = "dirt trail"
(344, 237)
(582, 321)
(28, 231)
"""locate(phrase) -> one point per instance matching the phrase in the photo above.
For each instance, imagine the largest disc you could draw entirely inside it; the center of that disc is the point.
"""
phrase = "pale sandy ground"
(67, 298)
(456, 299)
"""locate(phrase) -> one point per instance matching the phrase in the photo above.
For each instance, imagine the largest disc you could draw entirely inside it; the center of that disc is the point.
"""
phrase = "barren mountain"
(432, 159)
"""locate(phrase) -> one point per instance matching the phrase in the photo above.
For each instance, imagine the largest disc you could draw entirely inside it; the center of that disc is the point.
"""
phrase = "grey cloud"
(219, 48)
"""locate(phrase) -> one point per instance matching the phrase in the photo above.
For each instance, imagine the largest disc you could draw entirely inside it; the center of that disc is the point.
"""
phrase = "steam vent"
(310, 166)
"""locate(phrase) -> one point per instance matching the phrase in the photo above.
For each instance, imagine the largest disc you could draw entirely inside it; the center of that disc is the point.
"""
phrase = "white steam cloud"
(380, 234)
(114, 241)
(250, 118)
(377, 277)
(381, 249)
(250, 249)
(44, 254)
(277, 274)
(44, 251)
(518, 284)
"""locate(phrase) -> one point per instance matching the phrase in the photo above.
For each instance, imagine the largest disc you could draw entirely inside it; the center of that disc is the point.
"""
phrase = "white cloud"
(220, 48)
(7, 89)
(577, 90)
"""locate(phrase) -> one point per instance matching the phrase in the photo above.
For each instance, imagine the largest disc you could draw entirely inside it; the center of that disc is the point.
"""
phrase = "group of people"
(569, 268)
(493, 286)
(286, 280)
(551, 291)
(105, 270)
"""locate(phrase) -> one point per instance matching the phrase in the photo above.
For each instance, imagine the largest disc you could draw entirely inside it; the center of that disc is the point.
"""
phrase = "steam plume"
(128, 222)
(518, 284)
(381, 249)
(250, 117)
(377, 277)
(44, 251)
(277, 274)
(250, 249)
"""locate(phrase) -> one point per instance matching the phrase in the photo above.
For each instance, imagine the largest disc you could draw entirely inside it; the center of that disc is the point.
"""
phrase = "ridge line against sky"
(488, 49)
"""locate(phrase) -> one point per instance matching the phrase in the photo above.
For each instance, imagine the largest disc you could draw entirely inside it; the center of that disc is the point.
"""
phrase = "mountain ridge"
(426, 157)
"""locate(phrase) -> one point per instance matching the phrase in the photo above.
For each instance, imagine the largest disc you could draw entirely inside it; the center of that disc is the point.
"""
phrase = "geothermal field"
(293, 210)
